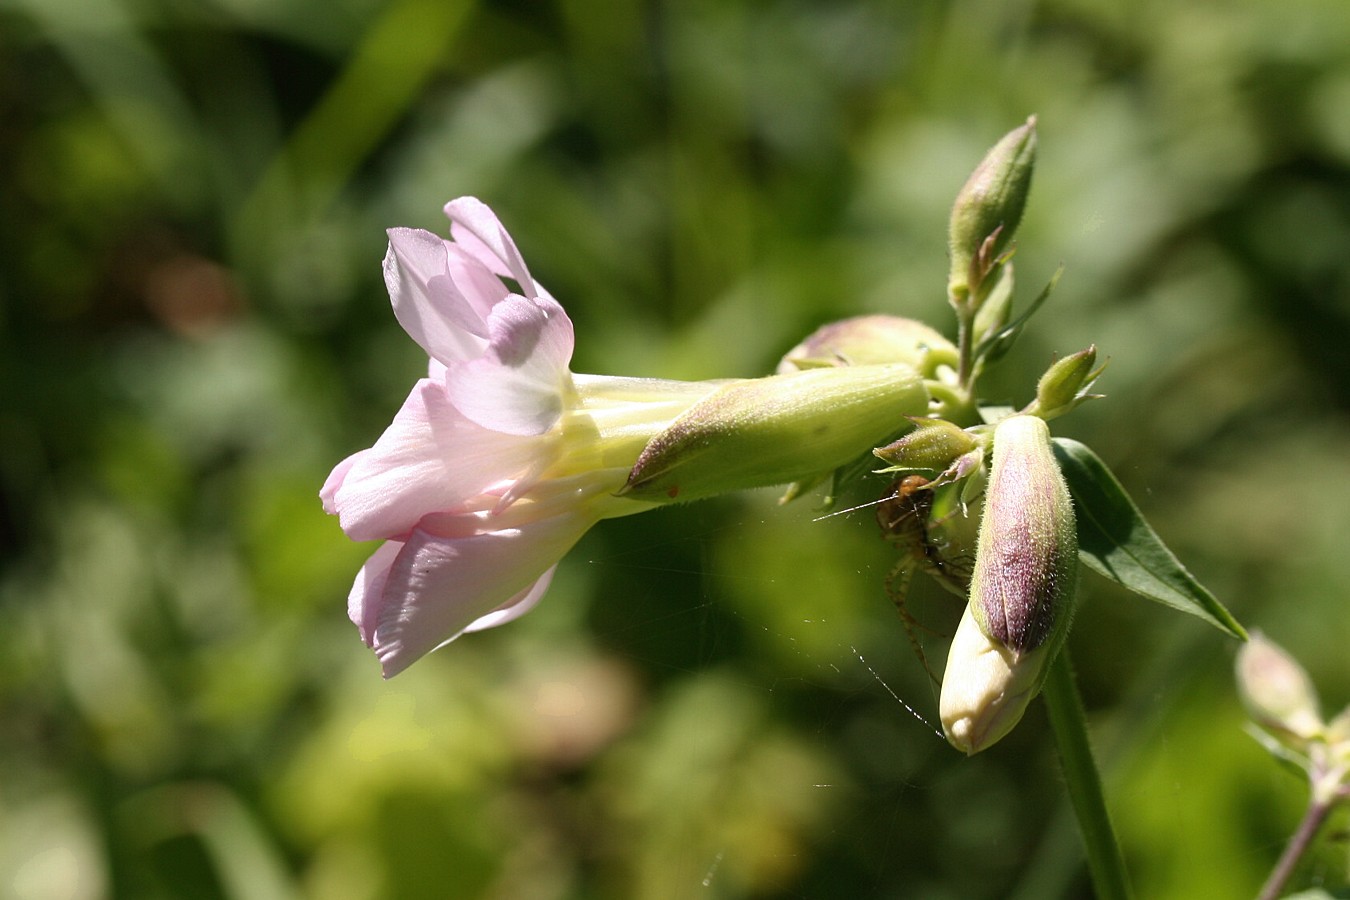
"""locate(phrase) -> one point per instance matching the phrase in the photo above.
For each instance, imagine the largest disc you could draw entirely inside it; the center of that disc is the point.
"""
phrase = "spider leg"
(897, 588)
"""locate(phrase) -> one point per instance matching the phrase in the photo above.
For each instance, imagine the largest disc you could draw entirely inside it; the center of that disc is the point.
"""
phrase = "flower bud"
(1276, 691)
(1065, 385)
(987, 687)
(774, 430)
(989, 208)
(1021, 593)
(875, 339)
(932, 445)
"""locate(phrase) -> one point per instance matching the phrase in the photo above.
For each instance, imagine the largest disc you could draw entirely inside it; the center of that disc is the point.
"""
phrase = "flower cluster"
(501, 458)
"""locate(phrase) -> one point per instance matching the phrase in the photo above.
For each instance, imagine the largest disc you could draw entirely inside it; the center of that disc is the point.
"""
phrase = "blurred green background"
(712, 700)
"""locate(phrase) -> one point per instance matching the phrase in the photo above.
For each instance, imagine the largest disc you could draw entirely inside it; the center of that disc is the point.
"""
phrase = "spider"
(912, 516)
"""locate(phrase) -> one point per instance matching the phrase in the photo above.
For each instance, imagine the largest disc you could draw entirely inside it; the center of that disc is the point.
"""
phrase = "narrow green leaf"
(993, 347)
(1116, 541)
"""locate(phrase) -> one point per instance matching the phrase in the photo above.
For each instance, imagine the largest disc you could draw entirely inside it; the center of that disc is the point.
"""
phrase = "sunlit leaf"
(1116, 541)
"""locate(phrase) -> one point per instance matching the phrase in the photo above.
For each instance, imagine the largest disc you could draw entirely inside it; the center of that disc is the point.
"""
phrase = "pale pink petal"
(517, 386)
(426, 300)
(476, 228)
(362, 602)
(328, 492)
(479, 284)
(437, 587)
(430, 459)
(516, 607)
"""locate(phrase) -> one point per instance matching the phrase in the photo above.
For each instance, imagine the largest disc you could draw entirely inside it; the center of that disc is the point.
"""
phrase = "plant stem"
(965, 351)
(1298, 845)
(1069, 724)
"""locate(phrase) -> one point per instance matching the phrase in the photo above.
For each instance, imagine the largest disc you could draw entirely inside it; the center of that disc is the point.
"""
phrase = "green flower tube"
(785, 428)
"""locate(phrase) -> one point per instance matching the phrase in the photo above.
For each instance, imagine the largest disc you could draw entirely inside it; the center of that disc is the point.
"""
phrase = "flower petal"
(362, 602)
(516, 607)
(517, 386)
(437, 587)
(429, 459)
(428, 302)
(328, 493)
(477, 229)
(478, 283)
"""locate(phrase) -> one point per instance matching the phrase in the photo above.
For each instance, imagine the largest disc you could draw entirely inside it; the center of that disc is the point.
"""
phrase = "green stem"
(1298, 845)
(1069, 724)
(965, 348)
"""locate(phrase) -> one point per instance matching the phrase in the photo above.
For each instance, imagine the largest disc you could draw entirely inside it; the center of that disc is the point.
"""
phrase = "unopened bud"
(1277, 692)
(1065, 384)
(871, 340)
(989, 208)
(775, 430)
(986, 688)
(1021, 594)
(932, 445)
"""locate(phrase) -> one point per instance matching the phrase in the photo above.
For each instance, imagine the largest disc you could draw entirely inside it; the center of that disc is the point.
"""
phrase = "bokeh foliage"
(193, 330)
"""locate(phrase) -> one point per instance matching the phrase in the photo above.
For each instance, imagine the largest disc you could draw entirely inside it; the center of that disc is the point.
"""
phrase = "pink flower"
(500, 459)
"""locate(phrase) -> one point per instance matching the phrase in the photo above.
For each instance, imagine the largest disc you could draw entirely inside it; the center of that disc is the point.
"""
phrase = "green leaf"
(1115, 540)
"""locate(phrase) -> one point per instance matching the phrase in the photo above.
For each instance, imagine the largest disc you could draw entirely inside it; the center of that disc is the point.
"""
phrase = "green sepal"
(1116, 541)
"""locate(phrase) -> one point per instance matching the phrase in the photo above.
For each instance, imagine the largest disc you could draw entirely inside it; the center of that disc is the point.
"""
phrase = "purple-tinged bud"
(1027, 557)
(1065, 385)
(1021, 594)
(988, 210)
(932, 445)
(1277, 692)
(872, 340)
(775, 430)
